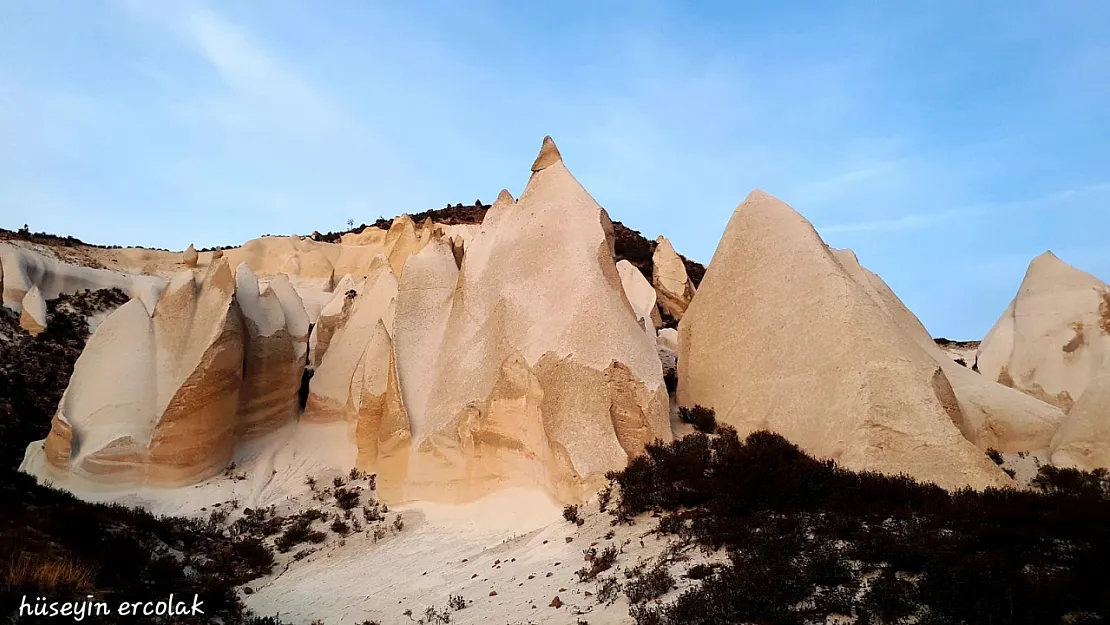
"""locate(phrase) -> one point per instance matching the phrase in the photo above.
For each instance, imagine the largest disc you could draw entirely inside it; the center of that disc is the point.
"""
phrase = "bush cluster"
(703, 419)
(803, 535)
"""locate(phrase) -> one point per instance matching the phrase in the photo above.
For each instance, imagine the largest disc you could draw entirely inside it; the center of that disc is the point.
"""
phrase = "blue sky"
(948, 143)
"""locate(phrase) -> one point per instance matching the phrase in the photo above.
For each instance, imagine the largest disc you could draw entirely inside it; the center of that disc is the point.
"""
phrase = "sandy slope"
(513, 543)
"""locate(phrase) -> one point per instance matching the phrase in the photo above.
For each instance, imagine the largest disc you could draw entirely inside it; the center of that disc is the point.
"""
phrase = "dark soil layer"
(56, 546)
(803, 536)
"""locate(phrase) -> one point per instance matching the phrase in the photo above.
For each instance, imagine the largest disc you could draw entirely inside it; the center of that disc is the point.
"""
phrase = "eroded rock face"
(330, 391)
(154, 398)
(1053, 337)
(670, 279)
(991, 415)
(401, 241)
(309, 268)
(640, 295)
(377, 410)
(781, 337)
(274, 353)
(33, 317)
(1083, 440)
(24, 269)
(559, 383)
(332, 317)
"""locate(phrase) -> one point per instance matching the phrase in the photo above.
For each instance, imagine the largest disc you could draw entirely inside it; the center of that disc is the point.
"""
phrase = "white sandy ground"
(507, 543)
(513, 544)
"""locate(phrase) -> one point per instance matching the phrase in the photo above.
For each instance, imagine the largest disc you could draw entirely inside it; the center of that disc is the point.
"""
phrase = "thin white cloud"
(918, 221)
(263, 90)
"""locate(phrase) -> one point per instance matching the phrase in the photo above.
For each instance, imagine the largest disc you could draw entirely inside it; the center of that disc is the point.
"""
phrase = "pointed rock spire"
(505, 197)
(190, 256)
(549, 155)
(766, 342)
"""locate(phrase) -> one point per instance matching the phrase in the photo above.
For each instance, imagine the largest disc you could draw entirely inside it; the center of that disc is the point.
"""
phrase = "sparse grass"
(50, 575)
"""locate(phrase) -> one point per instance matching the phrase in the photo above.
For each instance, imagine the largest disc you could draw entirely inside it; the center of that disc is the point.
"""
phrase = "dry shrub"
(46, 573)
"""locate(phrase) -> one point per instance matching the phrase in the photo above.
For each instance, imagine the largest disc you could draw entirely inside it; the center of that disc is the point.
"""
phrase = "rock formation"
(401, 241)
(991, 415)
(275, 343)
(332, 317)
(33, 317)
(781, 337)
(330, 394)
(424, 297)
(190, 257)
(381, 423)
(309, 268)
(640, 295)
(153, 399)
(543, 376)
(1083, 440)
(1053, 337)
(670, 279)
(668, 337)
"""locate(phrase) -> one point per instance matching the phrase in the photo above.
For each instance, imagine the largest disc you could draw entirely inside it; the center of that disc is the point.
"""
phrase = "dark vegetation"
(943, 342)
(53, 240)
(804, 536)
(597, 562)
(703, 419)
(570, 513)
(56, 546)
